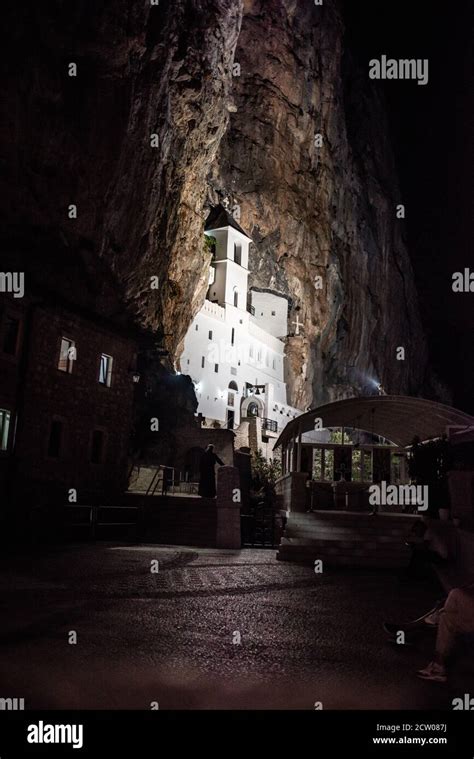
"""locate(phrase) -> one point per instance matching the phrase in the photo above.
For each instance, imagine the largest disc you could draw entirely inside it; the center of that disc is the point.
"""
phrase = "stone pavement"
(212, 629)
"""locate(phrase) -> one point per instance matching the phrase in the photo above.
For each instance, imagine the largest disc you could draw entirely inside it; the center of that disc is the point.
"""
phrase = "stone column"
(229, 499)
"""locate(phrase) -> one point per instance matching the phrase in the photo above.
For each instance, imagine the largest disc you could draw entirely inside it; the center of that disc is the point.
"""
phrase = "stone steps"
(347, 539)
(352, 517)
(141, 482)
(348, 535)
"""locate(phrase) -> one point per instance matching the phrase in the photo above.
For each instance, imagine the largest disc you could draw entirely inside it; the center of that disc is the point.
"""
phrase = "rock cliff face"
(142, 70)
(167, 70)
(327, 212)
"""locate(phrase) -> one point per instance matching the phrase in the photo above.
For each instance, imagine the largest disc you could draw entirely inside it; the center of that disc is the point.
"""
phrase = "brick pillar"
(229, 499)
(243, 462)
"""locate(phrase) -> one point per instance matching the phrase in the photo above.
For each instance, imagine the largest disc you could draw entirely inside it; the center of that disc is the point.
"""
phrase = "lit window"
(67, 355)
(105, 369)
(97, 448)
(10, 335)
(317, 464)
(55, 439)
(328, 469)
(396, 470)
(357, 468)
(4, 428)
(367, 463)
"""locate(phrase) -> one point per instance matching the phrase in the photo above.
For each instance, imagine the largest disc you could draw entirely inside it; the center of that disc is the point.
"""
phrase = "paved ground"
(173, 637)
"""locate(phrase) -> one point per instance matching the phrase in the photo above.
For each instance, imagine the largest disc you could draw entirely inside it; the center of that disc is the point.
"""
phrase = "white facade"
(271, 311)
(233, 356)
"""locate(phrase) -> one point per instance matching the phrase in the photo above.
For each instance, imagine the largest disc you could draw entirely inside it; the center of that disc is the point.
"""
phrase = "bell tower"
(229, 285)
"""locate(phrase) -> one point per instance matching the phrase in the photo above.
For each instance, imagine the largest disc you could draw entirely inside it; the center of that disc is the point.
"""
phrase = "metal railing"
(270, 424)
(160, 476)
(96, 516)
(164, 480)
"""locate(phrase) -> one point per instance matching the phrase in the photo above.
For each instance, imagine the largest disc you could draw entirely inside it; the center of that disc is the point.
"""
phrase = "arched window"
(238, 253)
(233, 386)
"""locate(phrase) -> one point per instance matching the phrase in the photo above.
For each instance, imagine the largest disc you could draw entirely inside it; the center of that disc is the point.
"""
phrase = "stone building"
(68, 378)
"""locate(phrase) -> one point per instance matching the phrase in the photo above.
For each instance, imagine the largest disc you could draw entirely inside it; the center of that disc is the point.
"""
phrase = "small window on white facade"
(203, 361)
(273, 313)
(216, 368)
(197, 327)
(238, 253)
(210, 334)
(105, 369)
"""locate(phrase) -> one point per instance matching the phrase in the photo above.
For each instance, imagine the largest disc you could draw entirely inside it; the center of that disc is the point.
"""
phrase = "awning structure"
(397, 418)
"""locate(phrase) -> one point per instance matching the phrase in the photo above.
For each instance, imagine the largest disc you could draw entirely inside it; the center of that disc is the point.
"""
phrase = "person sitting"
(455, 618)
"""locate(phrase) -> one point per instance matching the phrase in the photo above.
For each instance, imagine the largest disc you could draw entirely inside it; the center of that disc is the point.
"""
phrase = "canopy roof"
(397, 418)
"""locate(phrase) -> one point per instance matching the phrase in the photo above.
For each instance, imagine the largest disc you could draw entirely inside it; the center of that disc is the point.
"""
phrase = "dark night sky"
(432, 128)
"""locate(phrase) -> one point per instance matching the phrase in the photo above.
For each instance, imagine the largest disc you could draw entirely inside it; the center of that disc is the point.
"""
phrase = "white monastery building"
(234, 350)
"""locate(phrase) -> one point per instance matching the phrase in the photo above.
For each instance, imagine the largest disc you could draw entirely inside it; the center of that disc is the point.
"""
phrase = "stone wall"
(188, 438)
(193, 521)
(77, 400)
(292, 491)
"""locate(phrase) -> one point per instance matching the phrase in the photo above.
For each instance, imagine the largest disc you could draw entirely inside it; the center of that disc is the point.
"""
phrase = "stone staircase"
(143, 478)
(347, 538)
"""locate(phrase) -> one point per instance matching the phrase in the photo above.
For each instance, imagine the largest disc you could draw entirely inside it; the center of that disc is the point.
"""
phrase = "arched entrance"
(233, 388)
(252, 406)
